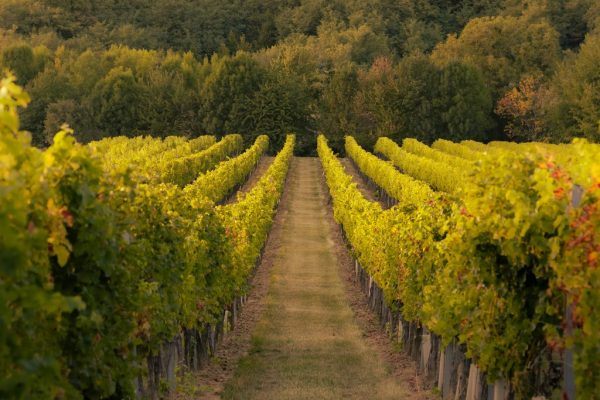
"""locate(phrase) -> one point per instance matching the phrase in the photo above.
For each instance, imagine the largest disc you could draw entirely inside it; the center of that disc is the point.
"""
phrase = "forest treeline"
(471, 69)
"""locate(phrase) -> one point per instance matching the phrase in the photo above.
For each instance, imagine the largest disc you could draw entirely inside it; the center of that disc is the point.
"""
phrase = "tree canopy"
(469, 69)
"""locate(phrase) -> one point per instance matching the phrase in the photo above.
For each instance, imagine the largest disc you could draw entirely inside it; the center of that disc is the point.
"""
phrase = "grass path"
(307, 344)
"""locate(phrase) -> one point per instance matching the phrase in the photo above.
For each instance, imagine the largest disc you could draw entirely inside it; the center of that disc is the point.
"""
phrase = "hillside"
(482, 70)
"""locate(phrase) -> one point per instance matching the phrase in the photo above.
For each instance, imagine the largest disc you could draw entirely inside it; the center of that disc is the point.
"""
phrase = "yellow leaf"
(62, 254)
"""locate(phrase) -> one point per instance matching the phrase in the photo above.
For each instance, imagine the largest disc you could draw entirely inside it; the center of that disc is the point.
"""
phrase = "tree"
(57, 114)
(419, 36)
(305, 18)
(373, 105)
(576, 88)
(522, 107)
(232, 81)
(592, 17)
(412, 101)
(464, 103)
(397, 101)
(568, 17)
(504, 48)
(47, 87)
(118, 103)
(24, 61)
(337, 116)
(366, 45)
(280, 106)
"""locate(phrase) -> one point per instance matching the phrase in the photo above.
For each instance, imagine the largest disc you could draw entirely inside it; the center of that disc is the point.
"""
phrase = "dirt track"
(308, 344)
(306, 332)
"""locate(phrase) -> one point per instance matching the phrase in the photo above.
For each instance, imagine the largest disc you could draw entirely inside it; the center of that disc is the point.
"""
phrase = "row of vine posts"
(192, 349)
(448, 369)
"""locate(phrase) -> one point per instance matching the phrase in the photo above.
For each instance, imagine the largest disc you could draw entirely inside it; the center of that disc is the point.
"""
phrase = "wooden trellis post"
(569, 371)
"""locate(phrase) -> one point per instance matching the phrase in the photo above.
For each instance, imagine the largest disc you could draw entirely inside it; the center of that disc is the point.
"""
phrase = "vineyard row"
(492, 267)
(101, 266)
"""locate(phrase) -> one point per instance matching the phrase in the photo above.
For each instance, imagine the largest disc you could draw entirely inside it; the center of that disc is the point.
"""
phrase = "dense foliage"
(498, 266)
(109, 248)
(405, 189)
(101, 265)
(483, 70)
(219, 182)
(447, 178)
